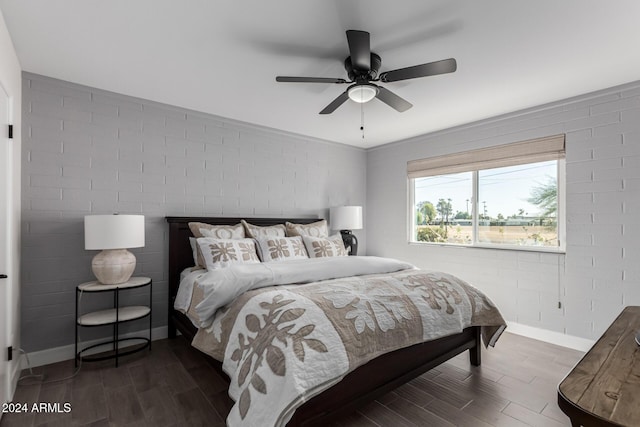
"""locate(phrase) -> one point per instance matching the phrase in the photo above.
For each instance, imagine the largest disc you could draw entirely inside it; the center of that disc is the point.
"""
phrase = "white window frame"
(561, 214)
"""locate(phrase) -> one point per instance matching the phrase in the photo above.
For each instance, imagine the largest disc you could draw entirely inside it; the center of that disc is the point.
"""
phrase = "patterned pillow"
(274, 249)
(256, 231)
(319, 247)
(200, 229)
(220, 253)
(315, 229)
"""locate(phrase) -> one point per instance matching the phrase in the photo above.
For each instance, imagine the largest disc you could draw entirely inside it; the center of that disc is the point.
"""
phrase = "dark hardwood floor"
(174, 386)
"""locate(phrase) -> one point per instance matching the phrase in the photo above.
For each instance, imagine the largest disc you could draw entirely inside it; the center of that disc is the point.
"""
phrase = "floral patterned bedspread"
(281, 345)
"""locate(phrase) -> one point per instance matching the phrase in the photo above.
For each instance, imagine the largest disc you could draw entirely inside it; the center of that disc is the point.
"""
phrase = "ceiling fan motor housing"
(366, 75)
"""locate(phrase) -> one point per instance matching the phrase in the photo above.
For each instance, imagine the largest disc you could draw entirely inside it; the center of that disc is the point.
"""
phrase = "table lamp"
(113, 235)
(345, 219)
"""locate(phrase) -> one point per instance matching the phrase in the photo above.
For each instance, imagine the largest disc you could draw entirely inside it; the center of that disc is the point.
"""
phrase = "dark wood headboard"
(181, 257)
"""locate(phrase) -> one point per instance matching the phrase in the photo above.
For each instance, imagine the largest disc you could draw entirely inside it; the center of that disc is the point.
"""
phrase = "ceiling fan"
(362, 67)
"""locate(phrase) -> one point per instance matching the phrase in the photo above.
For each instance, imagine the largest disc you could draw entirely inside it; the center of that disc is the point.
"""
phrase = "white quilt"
(282, 345)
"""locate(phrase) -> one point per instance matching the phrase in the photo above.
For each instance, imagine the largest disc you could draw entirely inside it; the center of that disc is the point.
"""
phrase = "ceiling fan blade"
(335, 103)
(393, 100)
(424, 70)
(286, 79)
(359, 49)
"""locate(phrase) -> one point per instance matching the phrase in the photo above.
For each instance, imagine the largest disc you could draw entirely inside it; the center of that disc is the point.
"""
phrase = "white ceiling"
(222, 56)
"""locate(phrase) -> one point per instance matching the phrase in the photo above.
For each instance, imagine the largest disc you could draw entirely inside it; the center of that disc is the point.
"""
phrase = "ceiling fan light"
(362, 93)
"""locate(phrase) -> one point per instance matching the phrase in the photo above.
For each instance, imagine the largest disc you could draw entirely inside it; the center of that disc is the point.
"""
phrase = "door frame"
(11, 227)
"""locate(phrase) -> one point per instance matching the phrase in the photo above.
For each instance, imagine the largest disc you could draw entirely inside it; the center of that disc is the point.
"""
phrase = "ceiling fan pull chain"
(362, 119)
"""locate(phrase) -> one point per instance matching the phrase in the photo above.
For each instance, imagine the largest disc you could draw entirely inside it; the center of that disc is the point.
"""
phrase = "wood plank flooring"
(174, 386)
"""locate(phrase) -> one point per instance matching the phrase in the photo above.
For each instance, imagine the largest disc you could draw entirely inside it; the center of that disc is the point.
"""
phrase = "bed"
(363, 384)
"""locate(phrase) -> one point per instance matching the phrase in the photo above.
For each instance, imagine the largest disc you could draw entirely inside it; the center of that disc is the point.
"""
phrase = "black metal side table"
(114, 316)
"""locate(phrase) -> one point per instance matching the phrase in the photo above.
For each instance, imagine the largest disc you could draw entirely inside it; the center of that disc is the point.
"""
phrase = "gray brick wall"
(600, 273)
(87, 151)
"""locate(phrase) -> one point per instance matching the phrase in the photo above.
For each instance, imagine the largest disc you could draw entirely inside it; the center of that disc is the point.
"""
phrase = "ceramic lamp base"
(113, 266)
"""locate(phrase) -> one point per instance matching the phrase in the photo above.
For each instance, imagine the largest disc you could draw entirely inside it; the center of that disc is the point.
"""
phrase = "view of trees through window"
(514, 205)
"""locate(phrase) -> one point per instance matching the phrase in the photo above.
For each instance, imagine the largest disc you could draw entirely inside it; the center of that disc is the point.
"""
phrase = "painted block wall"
(600, 272)
(88, 151)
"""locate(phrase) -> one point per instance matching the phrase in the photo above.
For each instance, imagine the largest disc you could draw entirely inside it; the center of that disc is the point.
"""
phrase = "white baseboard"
(557, 338)
(59, 354)
(14, 372)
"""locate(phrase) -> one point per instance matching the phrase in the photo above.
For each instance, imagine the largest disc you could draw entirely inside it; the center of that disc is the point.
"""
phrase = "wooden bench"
(603, 389)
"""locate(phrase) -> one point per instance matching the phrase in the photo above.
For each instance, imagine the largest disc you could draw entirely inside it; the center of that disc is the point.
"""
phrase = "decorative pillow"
(200, 229)
(194, 250)
(220, 253)
(315, 229)
(319, 247)
(256, 231)
(273, 249)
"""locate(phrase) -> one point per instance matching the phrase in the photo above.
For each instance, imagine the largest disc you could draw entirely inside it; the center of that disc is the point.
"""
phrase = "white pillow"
(200, 229)
(220, 253)
(315, 229)
(258, 231)
(274, 249)
(319, 247)
(194, 250)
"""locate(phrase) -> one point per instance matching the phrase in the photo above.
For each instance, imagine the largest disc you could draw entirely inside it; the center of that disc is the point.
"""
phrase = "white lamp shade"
(113, 231)
(346, 217)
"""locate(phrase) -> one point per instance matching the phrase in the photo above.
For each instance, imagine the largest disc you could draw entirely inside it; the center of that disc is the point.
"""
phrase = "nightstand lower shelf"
(110, 354)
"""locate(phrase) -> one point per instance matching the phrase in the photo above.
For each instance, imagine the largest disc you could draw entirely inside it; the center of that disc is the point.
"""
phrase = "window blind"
(518, 153)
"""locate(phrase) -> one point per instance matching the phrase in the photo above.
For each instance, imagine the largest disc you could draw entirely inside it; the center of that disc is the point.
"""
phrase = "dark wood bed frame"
(364, 384)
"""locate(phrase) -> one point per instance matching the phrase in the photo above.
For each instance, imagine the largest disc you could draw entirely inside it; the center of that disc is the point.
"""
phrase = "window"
(507, 196)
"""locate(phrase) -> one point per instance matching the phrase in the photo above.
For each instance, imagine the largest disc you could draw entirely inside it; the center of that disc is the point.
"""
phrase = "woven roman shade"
(518, 153)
